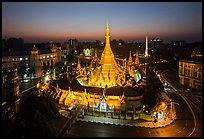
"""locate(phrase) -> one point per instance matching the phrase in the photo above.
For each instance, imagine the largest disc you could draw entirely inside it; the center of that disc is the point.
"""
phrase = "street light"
(38, 85)
(163, 104)
(47, 78)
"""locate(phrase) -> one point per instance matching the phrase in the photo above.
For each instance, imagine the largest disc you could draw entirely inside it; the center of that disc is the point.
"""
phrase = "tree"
(151, 97)
(36, 117)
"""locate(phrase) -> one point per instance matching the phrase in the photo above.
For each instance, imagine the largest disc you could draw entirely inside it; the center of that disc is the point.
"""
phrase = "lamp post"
(172, 110)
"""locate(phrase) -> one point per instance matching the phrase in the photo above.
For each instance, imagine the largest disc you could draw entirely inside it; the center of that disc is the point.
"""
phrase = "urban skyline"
(131, 21)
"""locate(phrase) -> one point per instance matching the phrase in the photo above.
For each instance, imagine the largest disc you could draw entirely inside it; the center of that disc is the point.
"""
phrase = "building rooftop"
(26, 51)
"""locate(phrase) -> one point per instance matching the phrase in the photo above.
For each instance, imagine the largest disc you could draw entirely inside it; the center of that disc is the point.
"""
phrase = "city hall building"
(35, 58)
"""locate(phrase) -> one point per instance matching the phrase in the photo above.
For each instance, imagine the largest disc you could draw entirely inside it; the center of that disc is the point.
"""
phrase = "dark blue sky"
(43, 21)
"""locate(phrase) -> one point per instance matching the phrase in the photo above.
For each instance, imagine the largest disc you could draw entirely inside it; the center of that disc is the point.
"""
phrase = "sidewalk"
(106, 120)
(136, 123)
(162, 123)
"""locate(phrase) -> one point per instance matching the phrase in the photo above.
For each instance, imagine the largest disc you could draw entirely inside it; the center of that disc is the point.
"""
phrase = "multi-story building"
(35, 58)
(73, 44)
(155, 42)
(190, 73)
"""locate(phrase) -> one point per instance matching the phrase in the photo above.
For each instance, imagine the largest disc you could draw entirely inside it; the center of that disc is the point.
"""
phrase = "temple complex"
(105, 87)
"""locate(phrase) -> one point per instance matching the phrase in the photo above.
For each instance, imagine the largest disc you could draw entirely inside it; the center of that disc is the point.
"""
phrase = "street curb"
(131, 125)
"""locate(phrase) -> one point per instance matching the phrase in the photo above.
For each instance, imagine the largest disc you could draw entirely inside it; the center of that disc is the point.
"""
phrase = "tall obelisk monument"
(146, 48)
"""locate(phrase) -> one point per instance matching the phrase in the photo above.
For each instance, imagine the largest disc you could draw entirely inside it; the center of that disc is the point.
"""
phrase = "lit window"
(44, 57)
(51, 56)
(21, 59)
(13, 59)
(47, 56)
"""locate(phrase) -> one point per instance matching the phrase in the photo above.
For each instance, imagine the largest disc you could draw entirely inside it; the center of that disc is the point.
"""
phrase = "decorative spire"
(107, 56)
(137, 62)
(130, 59)
(79, 67)
(107, 29)
(95, 56)
(34, 50)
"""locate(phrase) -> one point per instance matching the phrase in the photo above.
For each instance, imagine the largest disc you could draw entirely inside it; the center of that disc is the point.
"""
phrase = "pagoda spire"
(95, 55)
(107, 56)
(130, 59)
(79, 67)
(108, 69)
(137, 62)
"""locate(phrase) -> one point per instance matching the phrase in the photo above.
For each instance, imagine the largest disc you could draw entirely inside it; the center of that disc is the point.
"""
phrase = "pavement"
(136, 123)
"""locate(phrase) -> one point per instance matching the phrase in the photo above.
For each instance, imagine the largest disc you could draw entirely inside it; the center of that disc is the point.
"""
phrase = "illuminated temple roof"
(116, 91)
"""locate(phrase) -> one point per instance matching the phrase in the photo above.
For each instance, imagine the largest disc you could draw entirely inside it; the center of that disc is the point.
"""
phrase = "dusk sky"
(44, 21)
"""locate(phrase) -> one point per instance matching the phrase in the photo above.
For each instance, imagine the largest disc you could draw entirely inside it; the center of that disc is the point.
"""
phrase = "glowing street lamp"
(163, 104)
(38, 85)
(47, 78)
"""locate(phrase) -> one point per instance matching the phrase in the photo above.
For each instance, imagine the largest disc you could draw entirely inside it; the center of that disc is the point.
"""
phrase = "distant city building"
(88, 52)
(190, 72)
(73, 43)
(178, 42)
(155, 42)
(14, 43)
(196, 55)
(65, 50)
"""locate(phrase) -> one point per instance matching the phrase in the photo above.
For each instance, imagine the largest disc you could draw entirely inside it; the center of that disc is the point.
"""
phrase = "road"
(194, 103)
(183, 126)
(26, 85)
(65, 130)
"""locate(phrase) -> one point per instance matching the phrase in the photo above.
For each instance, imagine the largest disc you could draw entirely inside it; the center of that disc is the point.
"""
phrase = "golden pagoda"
(79, 71)
(130, 59)
(137, 62)
(108, 71)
